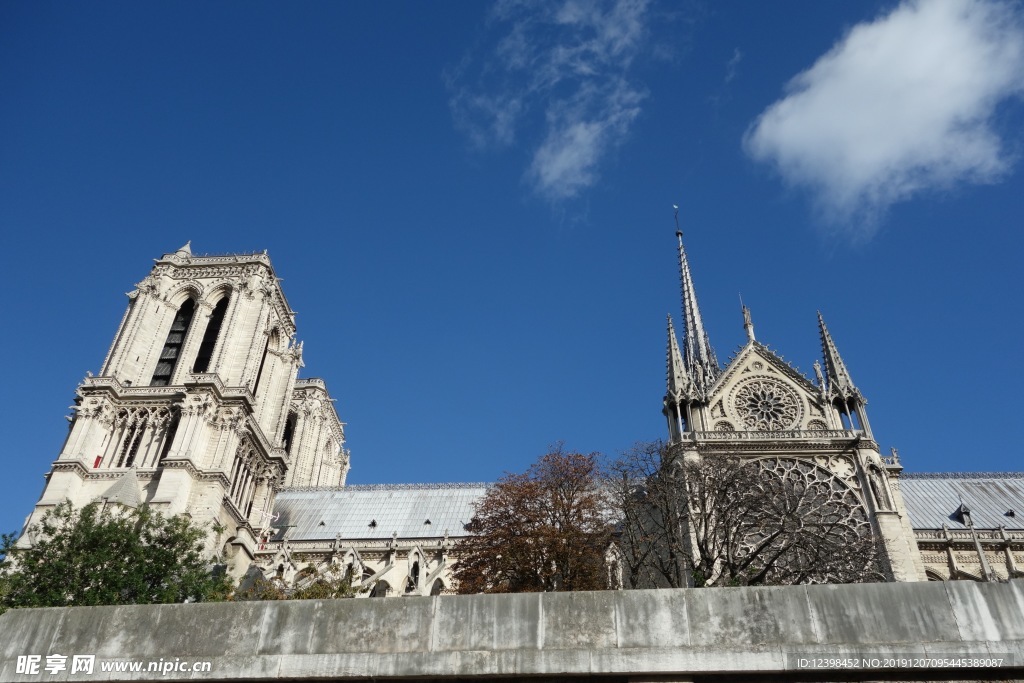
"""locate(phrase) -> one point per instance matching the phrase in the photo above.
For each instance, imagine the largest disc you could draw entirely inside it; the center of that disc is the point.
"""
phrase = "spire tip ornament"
(698, 356)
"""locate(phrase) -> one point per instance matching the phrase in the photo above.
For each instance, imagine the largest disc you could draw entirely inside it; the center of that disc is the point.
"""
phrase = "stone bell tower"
(760, 408)
(197, 408)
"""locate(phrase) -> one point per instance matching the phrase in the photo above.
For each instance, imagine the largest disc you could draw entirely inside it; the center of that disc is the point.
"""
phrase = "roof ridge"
(386, 487)
(962, 475)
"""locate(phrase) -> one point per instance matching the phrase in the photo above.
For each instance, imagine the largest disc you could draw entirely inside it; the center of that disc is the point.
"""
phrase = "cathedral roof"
(934, 499)
(376, 511)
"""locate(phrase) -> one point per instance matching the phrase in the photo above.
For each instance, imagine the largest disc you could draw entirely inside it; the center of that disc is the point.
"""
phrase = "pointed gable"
(124, 491)
(759, 391)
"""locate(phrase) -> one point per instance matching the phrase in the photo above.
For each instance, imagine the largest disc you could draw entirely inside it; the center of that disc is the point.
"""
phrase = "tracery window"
(244, 478)
(172, 347)
(767, 405)
(132, 441)
(138, 436)
(172, 431)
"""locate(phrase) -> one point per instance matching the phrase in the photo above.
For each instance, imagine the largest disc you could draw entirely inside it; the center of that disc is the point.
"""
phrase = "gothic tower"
(197, 408)
(760, 408)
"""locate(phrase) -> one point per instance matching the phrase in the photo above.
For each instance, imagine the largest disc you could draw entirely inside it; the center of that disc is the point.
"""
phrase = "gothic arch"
(353, 563)
(217, 291)
(381, 589)
(178, 294)
(213, 331)
(173, 348)
(277, 338)
(270, 346)
(417, 570)
(880, 488)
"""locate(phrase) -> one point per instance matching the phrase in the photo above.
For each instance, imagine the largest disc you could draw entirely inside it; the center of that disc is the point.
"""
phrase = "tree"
(327, 583)
(254, 586)
(545, 530)
(730, 521)
(646, 487)
(108, 555)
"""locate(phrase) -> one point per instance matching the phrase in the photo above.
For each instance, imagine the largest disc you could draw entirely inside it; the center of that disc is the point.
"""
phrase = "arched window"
(210, 336)
(289, 432)
(132, 440)
(172, 347)
(272, 338)
(172, 430)
(414, 578)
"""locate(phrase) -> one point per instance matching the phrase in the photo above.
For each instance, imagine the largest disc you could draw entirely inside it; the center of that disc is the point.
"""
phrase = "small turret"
(678, 381)
(841, 390)
(679, 388)
(840, 383)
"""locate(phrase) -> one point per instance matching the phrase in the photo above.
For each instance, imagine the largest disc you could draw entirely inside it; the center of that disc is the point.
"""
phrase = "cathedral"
(198, 410)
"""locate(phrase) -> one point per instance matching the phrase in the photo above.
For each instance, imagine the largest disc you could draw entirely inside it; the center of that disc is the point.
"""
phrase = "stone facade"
(198, 410)
(198, 399)
(761, 408)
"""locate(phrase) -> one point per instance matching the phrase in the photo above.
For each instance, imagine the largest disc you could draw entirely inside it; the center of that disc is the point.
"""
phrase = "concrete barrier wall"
(683, 634)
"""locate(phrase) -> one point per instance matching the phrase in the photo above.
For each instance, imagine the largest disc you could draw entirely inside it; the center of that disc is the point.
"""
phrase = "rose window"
(766, 405)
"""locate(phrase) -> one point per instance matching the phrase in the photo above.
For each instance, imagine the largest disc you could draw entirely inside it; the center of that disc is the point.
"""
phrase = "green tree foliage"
(107, 555)
(261, 589)
(545, 530)
(328, 582)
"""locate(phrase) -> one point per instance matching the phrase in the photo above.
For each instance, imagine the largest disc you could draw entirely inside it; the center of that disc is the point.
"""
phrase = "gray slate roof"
(402, 508)
(933, 498)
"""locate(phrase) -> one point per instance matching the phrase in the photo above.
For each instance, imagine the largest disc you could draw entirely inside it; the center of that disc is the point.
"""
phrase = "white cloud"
(568, 61)
(566, 162)
(733, 65)
(900, 105)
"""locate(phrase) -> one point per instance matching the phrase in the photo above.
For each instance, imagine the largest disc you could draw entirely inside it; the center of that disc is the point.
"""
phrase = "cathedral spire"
(678, 381)
(838, 376)
(698, 355)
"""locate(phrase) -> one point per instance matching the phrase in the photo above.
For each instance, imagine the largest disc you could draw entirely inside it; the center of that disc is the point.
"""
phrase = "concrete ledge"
(683, 634)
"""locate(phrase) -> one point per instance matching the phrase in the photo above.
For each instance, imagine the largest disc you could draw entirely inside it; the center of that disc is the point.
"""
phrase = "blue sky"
(471, 207)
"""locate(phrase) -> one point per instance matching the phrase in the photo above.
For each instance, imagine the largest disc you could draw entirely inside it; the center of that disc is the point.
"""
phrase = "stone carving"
(767, 405)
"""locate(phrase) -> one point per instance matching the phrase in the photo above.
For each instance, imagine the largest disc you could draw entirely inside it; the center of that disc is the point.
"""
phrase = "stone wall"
(667, 635)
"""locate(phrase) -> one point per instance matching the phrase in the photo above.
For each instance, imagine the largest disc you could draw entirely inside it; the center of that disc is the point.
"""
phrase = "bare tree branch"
(722, 520)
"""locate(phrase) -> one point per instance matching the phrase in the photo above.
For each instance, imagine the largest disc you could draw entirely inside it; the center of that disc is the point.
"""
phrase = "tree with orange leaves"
(545, 530)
